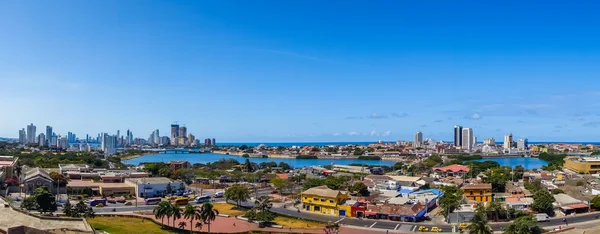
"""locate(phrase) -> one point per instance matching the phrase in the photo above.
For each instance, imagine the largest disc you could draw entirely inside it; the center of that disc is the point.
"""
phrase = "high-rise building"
(467, 139)
(63, 142)
(508, 139)
(523, 144)
(458, 136)
(164, 140)
(48, 134)
(109, 144)
(42, 139)
(22, 136)
(207, 141)
(156, 140)
(53, 140)
(213, 142)
(190, 139)
(174, 134)
(418, 140)
(489, 141)
(31, 134)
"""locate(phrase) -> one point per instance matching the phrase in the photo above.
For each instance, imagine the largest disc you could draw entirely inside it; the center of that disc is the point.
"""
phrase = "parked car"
(542, 217)
(112, 201)
(128, 203)
(219, 194)
(463, 226)
(436, 229)
(121, 201)
(423, 229)
(274, 192)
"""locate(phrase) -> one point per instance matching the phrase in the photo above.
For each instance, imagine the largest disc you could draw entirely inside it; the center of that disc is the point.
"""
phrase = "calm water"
(527, 163)
(210, 157)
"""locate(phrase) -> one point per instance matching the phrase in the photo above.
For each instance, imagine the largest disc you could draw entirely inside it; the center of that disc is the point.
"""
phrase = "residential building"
(508, 141)
(190, 139)
(584, 165)
(22, 136)
(418, 140)
(324, 200)
(41, 139)
(478, 192)
(458, 130)
(157, 139)
(31, 134)
(569, 205)
(7, 165)
(522, 145)
(467, 139)
(213, 142)
(452, 170)
(207, 141)
(489, 141)
(109, 144)
(178, 164)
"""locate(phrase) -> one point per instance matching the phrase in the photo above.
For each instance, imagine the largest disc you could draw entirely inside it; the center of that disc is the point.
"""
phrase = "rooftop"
(322, 191)
(150, 180)
(478, 186)
(453, 168)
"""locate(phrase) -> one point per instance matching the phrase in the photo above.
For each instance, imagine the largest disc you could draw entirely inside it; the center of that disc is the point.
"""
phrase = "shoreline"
(293, 157)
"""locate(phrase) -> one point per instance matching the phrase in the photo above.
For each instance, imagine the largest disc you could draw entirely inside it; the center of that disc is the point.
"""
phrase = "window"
(331, 201)
(471, 192)
(317, 208)
(481, 192)
(322, 199)
(315, 199)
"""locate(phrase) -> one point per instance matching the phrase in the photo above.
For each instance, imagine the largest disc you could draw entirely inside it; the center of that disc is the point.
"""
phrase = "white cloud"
(354, 133)
(387, 133)
(373, 133)
(337, 134)
(377, 116)
(476, 116)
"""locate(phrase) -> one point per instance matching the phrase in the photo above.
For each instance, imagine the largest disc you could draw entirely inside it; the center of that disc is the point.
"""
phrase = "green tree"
(237, 193)
(557, 191)
(284, 166)
(175, 213)
(479, 222)
(280, 184)
(251, 215)
(263, 205)
(359, 188)
(182, 225)
(45, 200)
(161, 211)
(525, 224)
(29, 203)
(190, 212)
(208, 214)
(595, 202)
(89, 213)
(79, 209)
(248, 166)
(451, 199)
(542, 202)
(497, 209)
(68, 209)
(58, 178)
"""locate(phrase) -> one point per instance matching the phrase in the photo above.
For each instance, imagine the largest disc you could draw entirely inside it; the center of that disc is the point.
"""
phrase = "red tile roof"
(453, 168)
(283, 176)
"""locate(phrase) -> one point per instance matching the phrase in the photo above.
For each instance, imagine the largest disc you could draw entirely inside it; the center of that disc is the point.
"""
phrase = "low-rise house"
(478, 192)
(152, 186)
(519, 203)
(324, 200)
(65, 168)
(7, 166)
(569, 205)
(453, 170)
(178, 164)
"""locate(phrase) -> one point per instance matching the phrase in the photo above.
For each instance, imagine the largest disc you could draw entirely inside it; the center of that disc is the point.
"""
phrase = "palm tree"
(208, 214)
(182, 225)
(162, 210)
(175, 213)
(479, 223)
(190, 212)
(199, 225)
(263, 203)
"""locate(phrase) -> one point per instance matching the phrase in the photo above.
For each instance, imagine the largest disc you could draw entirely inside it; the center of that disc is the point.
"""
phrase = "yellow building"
(478, 192)
(585, 165)
(323, 200)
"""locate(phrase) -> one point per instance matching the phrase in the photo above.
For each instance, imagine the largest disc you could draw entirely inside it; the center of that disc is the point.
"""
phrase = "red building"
(178, 164)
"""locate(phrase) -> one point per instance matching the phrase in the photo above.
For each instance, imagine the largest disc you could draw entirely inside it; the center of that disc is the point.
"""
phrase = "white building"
(22, 136)
(418, 140)
(508, 141)
(153, 186)
(31, 133)
(522, 145)
(489, 141)
(42, 139)
(109, 144)
(467, 139)
(49, 135)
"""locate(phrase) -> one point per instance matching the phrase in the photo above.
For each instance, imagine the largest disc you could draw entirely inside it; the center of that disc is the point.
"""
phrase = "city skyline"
(268, 72)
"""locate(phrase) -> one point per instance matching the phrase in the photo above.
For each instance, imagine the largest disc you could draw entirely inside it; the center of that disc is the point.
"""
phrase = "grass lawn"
(226, 208)
(297, 223)
(124, 225)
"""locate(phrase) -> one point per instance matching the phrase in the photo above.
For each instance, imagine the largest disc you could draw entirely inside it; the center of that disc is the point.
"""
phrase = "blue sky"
(278, 71)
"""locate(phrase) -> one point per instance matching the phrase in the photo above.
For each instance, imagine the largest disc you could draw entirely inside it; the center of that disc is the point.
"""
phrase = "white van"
(219, 194)
(542, 217)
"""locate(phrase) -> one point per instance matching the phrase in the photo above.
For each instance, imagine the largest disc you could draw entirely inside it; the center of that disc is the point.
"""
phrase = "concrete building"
(157, 137)
(35, 178)
(324, 200)
(508, 141)
(174, 134)
(458, 130)
(152, 186)
(418, 140)
(7, 165)
(522, 145)
(22, 136)
(585, 165)
(109, 144)
(478, 192)
(489, 141)
(467, 139)
(42, 139)
(49, 134)
(31, 134)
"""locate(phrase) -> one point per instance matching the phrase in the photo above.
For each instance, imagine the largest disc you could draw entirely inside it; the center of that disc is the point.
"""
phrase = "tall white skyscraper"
(22, 136)
(418, 140)
(156, 137)
(31, 134)
(467, 139)
(42, 139)
(522, 144)
(109, 144)
(508, 141)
